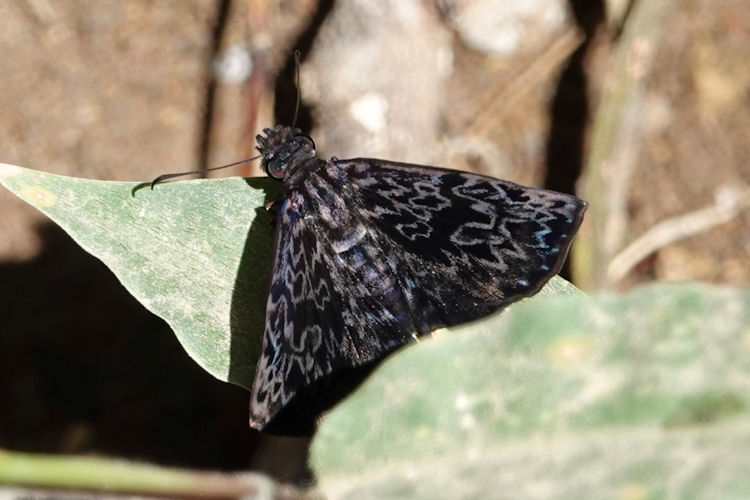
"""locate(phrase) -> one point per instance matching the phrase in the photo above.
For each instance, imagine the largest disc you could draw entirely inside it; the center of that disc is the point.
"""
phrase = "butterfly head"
(283, 148)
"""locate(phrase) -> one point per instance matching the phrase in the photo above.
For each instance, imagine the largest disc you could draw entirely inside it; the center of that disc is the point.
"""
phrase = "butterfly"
(371, 254)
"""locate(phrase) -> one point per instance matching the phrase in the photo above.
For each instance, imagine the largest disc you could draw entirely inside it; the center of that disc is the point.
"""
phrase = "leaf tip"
(26, 186)
(8, 170)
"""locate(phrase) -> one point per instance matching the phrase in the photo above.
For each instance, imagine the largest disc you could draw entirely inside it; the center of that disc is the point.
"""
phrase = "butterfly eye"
(276, 166)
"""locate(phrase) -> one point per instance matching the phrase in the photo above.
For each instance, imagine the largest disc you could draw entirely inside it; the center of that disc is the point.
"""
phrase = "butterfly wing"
(369, 254)
(467, 244)
(333, 305)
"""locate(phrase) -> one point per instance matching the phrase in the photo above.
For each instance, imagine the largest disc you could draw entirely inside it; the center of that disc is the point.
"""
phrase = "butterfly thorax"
(285, 152)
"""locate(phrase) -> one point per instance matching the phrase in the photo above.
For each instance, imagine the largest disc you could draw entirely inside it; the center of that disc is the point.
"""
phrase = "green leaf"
(195, 253)
(644, 395)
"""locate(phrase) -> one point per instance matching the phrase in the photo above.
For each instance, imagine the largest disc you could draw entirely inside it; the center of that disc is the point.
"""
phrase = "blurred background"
(640, 107)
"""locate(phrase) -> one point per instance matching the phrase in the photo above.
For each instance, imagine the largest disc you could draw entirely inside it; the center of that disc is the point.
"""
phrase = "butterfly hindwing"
(370, 253)
(333, 302)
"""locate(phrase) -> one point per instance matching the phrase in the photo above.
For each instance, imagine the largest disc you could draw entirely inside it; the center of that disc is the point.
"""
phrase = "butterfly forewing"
(370, 253)
(466, 244)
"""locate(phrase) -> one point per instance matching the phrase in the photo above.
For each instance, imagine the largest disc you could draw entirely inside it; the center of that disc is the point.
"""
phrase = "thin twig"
(68, 476)
(614, 143)
(729, 202)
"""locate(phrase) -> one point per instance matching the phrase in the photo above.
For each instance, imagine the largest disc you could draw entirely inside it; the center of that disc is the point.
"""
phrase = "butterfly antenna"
(164, 177)
(297, 56)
